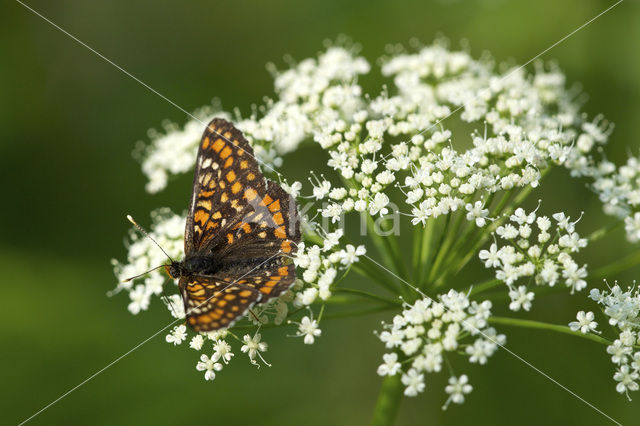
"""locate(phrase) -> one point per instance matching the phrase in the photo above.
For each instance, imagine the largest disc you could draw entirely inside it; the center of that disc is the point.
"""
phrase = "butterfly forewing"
(226, 170)
(247, 225)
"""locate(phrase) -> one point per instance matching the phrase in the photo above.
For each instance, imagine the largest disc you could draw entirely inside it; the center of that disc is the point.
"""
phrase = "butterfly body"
(241, 232)
(194, 265)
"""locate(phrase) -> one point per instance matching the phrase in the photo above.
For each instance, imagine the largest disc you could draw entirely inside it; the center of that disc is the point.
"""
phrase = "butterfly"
(240, 234)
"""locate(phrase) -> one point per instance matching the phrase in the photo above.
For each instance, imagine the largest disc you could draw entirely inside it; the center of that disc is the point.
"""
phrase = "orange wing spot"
(275, 206)
(278, 219)
(245, 293)
(224, 197)
(266, 290)
(230, 238)
(222, 184)
(242, 281)
(216, 215)
(244, 164)
(267, 200)
(211, 225)
(230, 296)
(234, 308)
(225, 152)
(283, 271)
(280, 233)
(221, 303)
(286, 246)
(240, 152)
(250, 194)
(246, 228)
(212, 184)
(201, 216)
(217, 145)
(231, 176)
(203, 319)
(205, 194)
(251, 176)
(230, 315)
(237, 187)
(227, 135)
(271, 283)
(206, 204)
(205, 142)
(192, 320)
(228, 163)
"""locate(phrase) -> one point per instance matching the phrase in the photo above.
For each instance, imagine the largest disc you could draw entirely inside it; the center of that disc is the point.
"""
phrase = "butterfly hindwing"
(211, 303)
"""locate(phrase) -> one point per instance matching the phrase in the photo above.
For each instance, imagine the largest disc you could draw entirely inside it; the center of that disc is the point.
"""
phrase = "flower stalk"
(388, 402)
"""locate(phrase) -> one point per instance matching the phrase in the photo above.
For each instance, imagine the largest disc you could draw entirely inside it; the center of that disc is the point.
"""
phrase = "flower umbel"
(395, 160)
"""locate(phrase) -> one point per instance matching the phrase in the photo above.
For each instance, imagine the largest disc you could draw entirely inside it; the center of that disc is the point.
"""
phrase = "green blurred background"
(69, 122)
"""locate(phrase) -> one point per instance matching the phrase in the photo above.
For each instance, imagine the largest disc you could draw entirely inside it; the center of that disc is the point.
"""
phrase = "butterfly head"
(174, 269)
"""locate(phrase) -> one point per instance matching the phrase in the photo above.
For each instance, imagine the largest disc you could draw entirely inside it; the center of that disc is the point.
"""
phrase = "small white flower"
(209, 366)
(390, 366)
(379, 204)
(627, 379)
(196, 342)
(222, 351)
(309, 329)
(457, 389)
(520, 298)
(413, 381)
(477, 212)
(177, 335)
(139, 299)
(585, 322)
(253, 347)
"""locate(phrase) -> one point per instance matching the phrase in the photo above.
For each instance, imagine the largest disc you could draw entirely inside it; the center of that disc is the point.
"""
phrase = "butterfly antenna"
(146, 234)
(144, 273)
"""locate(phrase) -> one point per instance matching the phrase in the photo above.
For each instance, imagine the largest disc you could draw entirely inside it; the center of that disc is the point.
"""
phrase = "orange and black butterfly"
(241, 232)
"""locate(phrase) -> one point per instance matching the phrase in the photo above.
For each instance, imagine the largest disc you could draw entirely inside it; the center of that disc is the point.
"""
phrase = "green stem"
(425, 254)
(367, 295)
(388, 403)
(367, 311)
(599, 233)
(368, 269)
(483, 234)
(444, 251)
(384, 248)
(516, 322)
(616, 267)
(484, 286)
(438, 248)
(419, 234)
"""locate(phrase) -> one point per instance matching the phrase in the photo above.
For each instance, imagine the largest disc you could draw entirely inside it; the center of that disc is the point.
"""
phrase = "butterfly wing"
(269, 226)
(250, 225)
(226, 175)
(211, 303)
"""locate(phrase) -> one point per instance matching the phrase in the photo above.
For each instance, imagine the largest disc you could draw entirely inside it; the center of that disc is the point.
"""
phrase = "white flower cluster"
(143, 255)
(425, 333)
(320, 266)
(215, 342)
(619, 190)
(538, 249)
(623, 310)
(397, 139)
